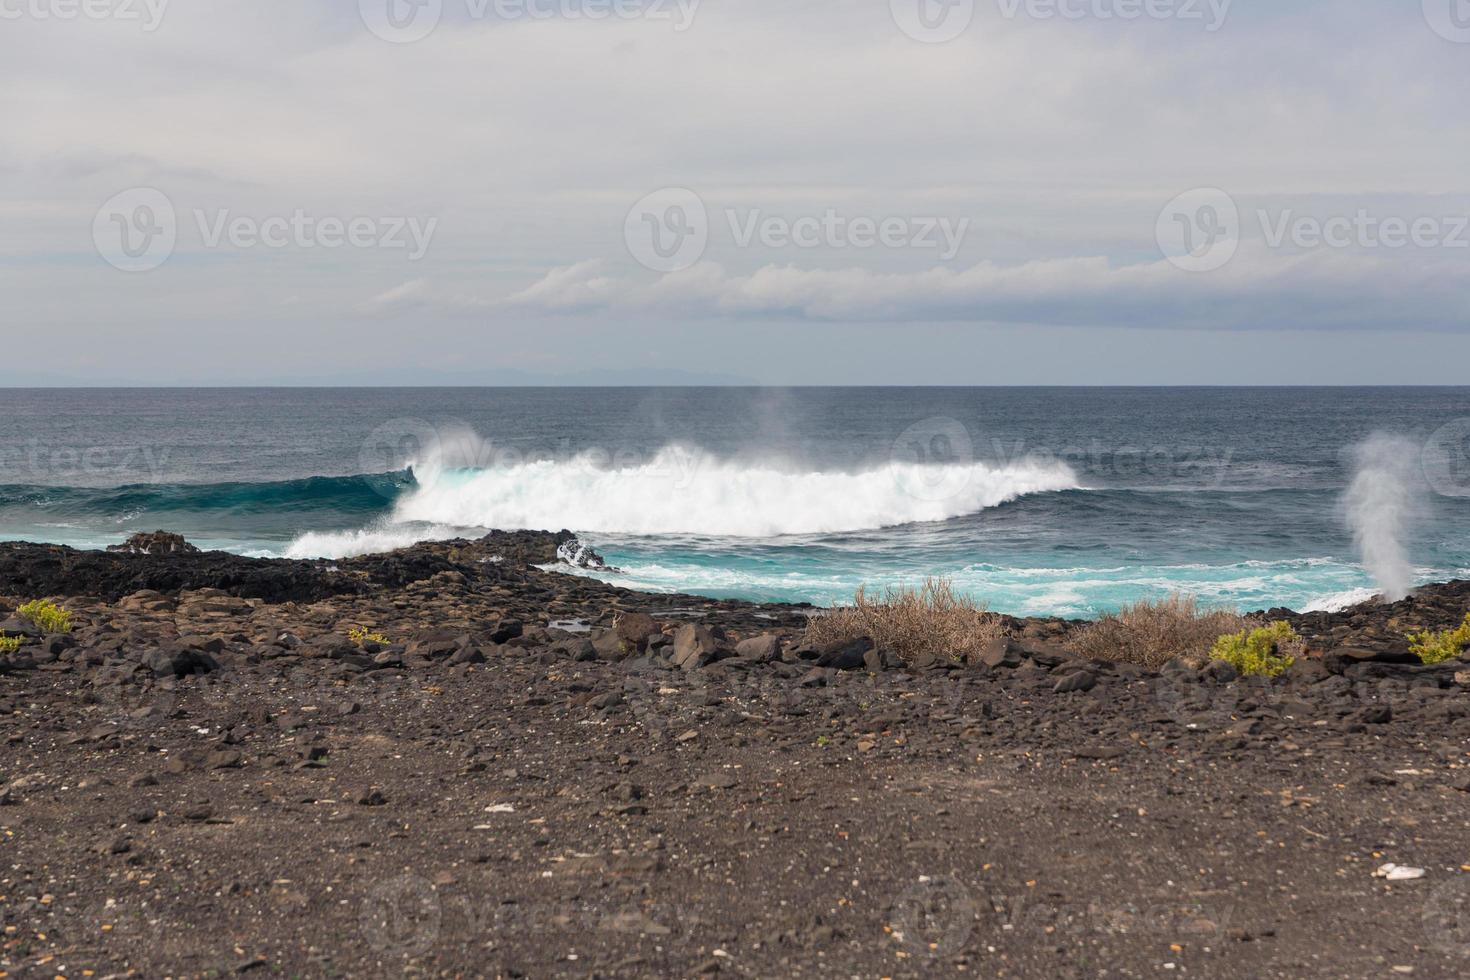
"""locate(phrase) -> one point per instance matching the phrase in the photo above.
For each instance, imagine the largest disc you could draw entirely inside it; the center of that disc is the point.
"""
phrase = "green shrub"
(361, 635)
(47, 616)
(1259, 651)
(9, 644)
(1437, 647)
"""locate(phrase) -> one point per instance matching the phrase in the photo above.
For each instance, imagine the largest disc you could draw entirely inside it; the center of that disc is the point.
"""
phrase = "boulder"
(578, 648)
(155, 543)
(16, 626)
(610, 646)
(759, 649)
(845, 654)
(178, 661)
(1075, 682)
(1223, 672)
(1000, 652)
(571, 551)
(817, 677)
(635, 629)
(877, 660)
(698, 646)
(438, 646)
(1388, 652)
(506, 630)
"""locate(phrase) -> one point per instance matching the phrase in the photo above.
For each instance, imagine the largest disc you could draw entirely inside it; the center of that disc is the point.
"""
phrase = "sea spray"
(1381, 505)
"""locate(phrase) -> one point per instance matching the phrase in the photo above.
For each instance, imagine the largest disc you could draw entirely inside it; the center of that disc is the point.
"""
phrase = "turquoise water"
(1038, 501)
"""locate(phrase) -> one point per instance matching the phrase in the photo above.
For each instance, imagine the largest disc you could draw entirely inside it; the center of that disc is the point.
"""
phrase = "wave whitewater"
(680, 492)
(683, 493)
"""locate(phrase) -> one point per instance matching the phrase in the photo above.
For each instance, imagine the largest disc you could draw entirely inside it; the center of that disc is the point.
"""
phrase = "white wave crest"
(1338, 601)
(680, 492)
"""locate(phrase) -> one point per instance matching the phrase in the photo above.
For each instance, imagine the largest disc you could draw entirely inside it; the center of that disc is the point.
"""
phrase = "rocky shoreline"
(452, 761)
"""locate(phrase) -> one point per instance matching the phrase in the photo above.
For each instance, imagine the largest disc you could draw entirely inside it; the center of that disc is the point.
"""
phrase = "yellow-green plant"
(1433, 647)
(9, 644)
(47, 616)
(1259, 651)
(361, 635)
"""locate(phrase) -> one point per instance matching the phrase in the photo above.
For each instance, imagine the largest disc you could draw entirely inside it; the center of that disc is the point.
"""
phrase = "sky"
(735, 191)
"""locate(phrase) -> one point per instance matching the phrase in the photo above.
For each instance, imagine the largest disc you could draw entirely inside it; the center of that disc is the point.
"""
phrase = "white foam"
(1338, 601)
(682, 492)
(368, 541)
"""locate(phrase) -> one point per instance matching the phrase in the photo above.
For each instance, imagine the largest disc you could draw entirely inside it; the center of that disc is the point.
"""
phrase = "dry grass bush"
(930, 620)
(1152, 633)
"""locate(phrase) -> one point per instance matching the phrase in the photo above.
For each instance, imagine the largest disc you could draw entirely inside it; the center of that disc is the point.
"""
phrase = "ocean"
(1037, 501)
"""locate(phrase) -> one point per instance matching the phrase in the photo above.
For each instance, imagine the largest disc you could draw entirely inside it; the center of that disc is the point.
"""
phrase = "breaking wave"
(682, 492)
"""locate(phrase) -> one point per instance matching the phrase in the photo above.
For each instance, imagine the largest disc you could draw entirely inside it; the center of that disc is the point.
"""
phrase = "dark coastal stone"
(761, 649)
(817, 677)
(506, 630)
(1075, 682)
(635, 628)
(879, 660)
(1221, 672)
(155, 543)
(16, 626)
(846, 654)
(179, 661)
(698, 646)
(1001, 652)
(607, 645)
(579, 649)
(1378, 714)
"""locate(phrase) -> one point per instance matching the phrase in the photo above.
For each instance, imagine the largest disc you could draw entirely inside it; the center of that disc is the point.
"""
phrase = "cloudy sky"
(827, 192)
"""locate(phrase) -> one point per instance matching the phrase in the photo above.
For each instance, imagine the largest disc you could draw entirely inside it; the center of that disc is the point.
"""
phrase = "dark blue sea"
(1037, 501)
